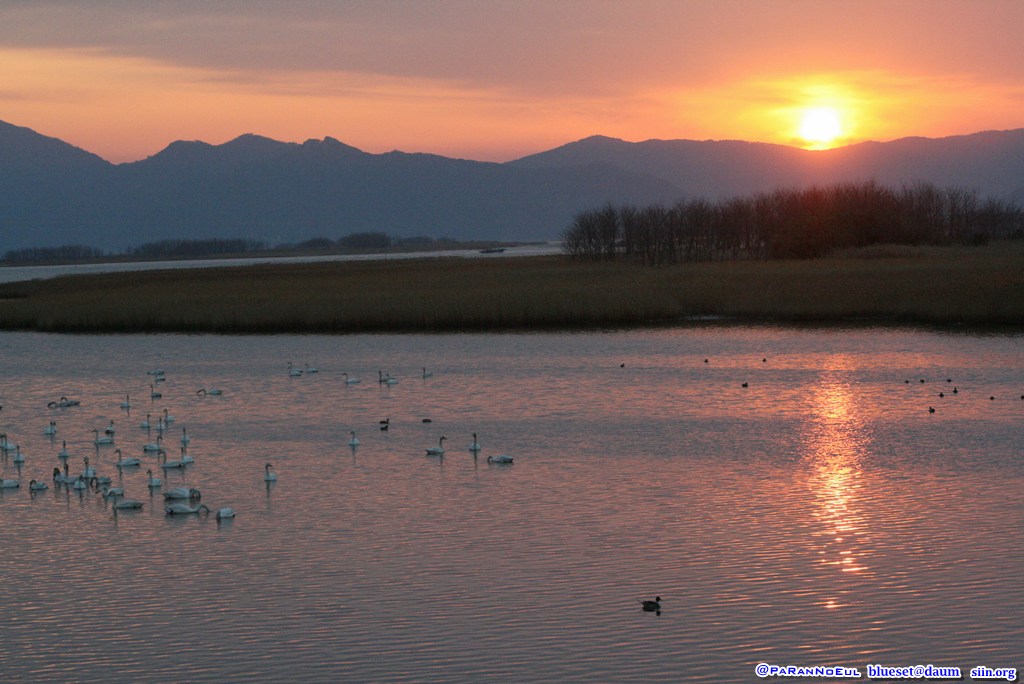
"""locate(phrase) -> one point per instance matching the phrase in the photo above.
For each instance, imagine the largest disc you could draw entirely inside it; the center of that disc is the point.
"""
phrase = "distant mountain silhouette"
(991, 163)
(52, 193)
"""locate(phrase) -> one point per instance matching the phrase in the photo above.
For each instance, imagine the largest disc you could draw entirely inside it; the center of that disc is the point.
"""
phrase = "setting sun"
(820, 126)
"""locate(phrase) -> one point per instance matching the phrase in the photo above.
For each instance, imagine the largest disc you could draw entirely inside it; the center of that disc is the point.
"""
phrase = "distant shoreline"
(950, 288)
(272, 254)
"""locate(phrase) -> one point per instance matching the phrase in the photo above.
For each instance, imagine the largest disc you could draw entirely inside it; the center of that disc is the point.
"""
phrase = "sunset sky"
(500, 79)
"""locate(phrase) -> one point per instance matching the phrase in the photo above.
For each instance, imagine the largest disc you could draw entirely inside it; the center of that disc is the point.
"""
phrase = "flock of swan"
(177, 501)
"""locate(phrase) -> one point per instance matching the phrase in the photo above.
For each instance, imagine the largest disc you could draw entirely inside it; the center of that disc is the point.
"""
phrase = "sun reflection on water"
(836, 450)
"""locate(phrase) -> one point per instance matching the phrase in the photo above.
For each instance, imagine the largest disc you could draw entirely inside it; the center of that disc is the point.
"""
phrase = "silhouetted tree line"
(63, 253)
(164, 249)
(791, 223)
(171, 249)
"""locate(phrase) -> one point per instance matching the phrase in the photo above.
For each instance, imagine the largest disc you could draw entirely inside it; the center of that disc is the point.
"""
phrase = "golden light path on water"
(836, 448)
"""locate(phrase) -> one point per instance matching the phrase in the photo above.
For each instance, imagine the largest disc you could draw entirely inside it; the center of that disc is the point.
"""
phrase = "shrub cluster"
(792, 223)
(195, 248)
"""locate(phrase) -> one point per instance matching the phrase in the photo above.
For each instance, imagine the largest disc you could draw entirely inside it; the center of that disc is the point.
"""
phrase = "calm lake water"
(820, 515)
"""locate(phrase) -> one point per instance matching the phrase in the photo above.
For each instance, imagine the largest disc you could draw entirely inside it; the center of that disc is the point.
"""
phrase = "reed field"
(948, 286)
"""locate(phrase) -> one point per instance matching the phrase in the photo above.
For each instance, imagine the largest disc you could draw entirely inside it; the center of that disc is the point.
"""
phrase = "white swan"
(438, 450)
(153, 482)
(168, 418)
(225, 513)
(212, 392)
(112, 492)
(5, 445)
(185, 439)
(62, 478)
(153, 394)
(127, 505)
(427, 374)
(153, 446)
(293, 372)
(109, 430)
(501, 459)
(350, 381)
(9, 484)
(79, 483)
(50, 429)
(185, 458)
(267, 475)
(34, 486)
(63, 454)
(475, 446)
(190, 493)
(386, 379)
(354, 442)
(185, 509)
(64, 402)
(126, 462)
(126, 404)
(158, 372)
(169, 465)
(101, 439)
(145, 425)
(312, 369)
(89, 470)
(18, 456)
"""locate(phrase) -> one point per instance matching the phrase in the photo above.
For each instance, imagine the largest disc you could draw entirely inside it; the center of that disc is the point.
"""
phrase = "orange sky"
(501, 79)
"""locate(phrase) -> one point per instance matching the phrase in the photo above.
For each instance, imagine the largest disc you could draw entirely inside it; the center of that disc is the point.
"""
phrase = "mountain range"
(52, 193)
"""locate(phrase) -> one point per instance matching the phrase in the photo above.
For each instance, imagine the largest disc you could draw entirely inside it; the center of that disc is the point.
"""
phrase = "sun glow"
(820, 127)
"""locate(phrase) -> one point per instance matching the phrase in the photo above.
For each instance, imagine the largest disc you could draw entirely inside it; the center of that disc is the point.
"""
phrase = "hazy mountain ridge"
(52, 193)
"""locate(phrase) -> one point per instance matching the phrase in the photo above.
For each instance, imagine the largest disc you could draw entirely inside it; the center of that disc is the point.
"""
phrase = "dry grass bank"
(976, 286)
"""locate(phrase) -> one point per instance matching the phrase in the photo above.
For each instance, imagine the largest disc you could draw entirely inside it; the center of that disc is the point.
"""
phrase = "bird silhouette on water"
(652, 606)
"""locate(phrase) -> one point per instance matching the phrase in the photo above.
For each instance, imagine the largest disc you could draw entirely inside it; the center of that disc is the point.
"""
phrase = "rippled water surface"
(821, 514)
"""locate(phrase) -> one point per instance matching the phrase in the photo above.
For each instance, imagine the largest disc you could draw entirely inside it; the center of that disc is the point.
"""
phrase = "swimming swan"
(475, 446)
(438, 450)
(127, 505)
(501, 459)
(190, 493)
(267, 475)
(225, 513)
(34, 486)
(122, 462)
(102, 439)
(185, 509)
(153, 482)
(9, 484)
(168, 465)
(354, 442)
(350, 381)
